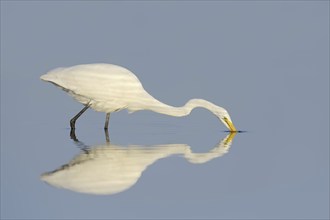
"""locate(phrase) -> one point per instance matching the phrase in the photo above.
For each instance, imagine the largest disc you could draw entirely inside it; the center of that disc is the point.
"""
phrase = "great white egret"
(110, 88)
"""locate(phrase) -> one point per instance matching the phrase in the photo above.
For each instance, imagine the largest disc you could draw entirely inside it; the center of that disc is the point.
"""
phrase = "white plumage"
(101, 85)
(109, 88)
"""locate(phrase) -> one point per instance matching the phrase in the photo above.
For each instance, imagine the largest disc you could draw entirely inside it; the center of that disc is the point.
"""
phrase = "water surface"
(267, 63)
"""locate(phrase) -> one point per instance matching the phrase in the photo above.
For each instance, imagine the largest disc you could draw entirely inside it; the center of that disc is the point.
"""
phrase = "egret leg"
(73, 120)
(73, 135)
(106, 125)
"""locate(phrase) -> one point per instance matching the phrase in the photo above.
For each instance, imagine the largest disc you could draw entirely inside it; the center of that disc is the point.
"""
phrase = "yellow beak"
(230, 125)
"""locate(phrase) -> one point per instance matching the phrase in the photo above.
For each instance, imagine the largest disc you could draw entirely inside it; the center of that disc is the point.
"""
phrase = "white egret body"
(109, 88)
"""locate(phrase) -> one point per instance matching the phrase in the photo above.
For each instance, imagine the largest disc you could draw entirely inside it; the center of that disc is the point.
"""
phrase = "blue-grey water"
(267, 63)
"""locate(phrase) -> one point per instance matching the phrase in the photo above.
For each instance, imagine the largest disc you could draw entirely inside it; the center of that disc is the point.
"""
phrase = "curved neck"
(162, 108)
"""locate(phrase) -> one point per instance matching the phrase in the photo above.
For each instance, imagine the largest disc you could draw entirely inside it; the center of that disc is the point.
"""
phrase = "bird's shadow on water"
(109, 168)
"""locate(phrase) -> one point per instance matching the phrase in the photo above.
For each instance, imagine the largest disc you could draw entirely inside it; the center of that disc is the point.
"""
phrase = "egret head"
(224, 117)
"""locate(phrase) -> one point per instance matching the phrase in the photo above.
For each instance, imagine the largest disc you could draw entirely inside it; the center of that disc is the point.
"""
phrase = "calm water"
(271, 72)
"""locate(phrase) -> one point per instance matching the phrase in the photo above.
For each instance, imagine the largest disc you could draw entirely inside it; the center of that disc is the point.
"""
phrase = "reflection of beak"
(229, 138)
(230, 125)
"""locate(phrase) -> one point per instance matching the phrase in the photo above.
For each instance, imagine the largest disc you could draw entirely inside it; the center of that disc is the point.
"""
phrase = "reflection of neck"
(219, 150)
(162, 108)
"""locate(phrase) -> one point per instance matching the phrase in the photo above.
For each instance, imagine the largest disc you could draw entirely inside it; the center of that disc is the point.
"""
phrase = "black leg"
(73, 120)
(73, 135)
(106, 125)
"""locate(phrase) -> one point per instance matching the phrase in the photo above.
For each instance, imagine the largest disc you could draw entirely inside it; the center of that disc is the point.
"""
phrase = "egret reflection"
(109, 168)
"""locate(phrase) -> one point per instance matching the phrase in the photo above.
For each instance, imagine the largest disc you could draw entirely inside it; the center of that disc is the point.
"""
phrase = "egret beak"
(230, 125)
